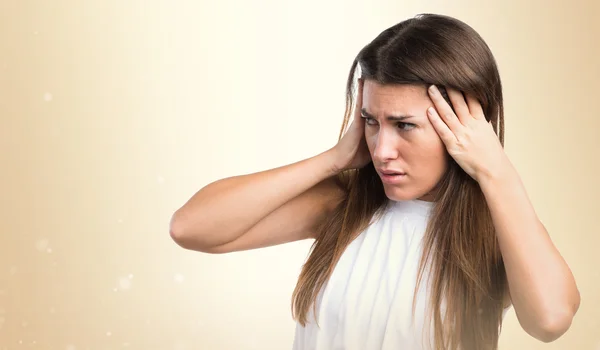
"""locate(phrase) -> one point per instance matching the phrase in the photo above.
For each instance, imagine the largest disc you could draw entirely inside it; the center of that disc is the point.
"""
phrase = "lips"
(392, 176)
(391, 172)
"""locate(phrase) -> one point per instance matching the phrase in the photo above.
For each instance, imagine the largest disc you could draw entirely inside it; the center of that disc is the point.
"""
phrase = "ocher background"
(115, 112)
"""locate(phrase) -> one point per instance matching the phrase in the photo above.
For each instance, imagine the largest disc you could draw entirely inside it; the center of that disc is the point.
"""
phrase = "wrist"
(499, 176)
(331, 162)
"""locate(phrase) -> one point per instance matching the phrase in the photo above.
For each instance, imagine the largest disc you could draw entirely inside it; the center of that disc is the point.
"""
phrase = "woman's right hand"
(351, 151)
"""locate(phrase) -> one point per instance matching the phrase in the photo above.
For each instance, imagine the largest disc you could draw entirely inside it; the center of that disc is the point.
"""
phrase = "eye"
(406, 126)
(369, 121)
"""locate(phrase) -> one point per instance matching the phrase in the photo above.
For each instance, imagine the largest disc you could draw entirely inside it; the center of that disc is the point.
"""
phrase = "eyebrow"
(391, 118)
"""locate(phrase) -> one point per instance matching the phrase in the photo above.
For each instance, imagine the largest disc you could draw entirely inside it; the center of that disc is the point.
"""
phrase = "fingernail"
(433, 89)
(431, 111)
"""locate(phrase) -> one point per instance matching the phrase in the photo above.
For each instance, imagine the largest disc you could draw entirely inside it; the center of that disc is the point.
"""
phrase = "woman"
(423, 232)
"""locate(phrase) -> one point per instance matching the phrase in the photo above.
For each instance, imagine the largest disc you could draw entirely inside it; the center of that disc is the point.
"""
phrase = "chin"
(397, 193)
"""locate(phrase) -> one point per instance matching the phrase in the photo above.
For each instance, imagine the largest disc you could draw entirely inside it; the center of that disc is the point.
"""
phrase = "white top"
(367, 302)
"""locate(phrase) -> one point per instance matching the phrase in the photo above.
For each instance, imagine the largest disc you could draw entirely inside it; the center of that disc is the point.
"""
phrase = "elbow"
(551, 330)
(177, 231)
(555, 325)
(180, 233)
(189, 237)
(178, 237)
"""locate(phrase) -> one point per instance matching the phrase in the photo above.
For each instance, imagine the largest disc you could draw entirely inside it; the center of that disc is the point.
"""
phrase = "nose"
(385, 147)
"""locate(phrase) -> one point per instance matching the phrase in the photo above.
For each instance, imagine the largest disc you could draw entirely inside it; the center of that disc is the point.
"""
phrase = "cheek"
(429, 154)
(371, 138)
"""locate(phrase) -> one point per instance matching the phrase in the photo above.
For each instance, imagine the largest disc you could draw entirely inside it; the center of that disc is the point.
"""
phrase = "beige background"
(115, 112)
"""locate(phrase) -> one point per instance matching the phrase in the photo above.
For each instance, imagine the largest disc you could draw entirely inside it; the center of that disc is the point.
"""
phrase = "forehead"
(378, 98)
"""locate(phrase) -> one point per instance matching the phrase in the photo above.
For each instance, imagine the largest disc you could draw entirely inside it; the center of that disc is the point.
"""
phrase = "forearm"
(225, 209)
(542, 287)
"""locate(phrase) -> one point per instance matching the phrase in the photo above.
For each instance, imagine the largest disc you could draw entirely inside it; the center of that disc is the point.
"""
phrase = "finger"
(447, 136)
(358, 109)
(475, 107)
(443, 109)
(460, 105)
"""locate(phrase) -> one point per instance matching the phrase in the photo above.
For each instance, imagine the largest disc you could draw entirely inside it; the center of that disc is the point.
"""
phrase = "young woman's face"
(402, 140)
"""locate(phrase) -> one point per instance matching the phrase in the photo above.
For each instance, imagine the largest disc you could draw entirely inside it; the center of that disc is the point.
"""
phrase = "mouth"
(390, 172)
(391, 176)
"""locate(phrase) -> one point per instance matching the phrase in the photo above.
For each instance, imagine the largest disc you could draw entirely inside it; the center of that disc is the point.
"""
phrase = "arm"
(273, 206)
(542, 287)
(258, 210)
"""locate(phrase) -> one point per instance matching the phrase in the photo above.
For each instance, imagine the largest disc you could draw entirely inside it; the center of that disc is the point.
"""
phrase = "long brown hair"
(460, 251)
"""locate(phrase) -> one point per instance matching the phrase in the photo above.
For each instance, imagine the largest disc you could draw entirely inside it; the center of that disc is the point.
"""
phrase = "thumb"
(359, 97)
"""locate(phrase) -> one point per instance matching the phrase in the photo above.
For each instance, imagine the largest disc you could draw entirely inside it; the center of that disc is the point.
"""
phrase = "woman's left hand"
(469, 138)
